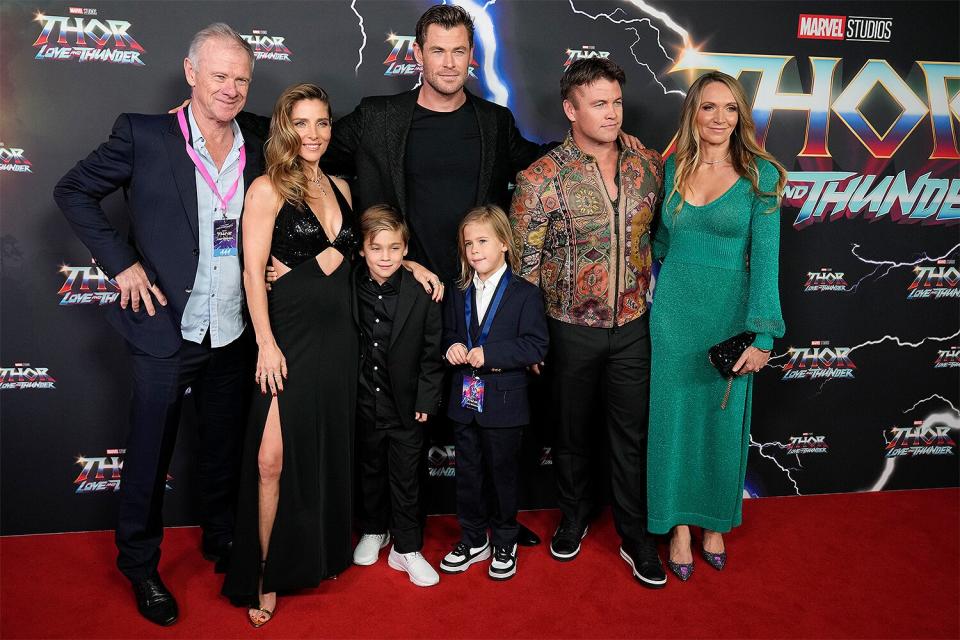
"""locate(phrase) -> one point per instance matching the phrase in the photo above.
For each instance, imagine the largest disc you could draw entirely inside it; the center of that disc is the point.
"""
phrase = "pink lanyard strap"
(198, 163)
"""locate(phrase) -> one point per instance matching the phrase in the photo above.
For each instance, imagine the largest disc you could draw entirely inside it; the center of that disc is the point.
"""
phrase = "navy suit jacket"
(146, 157)
(518, 338)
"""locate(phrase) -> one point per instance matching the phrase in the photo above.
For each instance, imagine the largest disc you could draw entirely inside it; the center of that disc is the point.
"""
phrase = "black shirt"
(442, 167)
(377, 307)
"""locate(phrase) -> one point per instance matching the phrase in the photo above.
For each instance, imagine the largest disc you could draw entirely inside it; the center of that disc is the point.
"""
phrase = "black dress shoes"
(155, 602)
(527, 538)
(218, 554)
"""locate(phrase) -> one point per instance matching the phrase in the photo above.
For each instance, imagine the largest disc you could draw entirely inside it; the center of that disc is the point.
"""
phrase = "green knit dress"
(706, 293)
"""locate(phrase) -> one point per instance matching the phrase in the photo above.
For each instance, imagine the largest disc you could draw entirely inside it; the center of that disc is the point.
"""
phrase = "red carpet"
(856, 565)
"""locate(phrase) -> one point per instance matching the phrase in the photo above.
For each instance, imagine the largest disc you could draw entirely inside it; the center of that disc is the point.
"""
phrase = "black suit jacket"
(371, 142)
(518, 338)
(146, 157)
(414, 361)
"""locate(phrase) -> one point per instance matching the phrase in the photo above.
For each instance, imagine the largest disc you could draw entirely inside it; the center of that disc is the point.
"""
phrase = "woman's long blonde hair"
(282, 151)
(494, 216)
(744, 149)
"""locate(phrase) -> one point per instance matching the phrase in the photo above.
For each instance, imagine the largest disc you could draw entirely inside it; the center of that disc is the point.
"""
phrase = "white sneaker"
(462, 557)
(368, 549)
(416, 566)
(504, 563)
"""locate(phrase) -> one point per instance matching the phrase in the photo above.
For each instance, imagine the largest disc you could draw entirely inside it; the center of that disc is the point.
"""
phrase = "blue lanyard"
(492, 311)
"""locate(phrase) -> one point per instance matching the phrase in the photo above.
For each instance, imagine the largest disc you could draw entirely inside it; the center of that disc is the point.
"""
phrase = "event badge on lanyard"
(471, 397)
(226, 231)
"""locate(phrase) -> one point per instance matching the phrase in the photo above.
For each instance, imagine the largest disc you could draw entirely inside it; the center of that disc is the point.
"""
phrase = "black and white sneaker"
(645, 562)
(504, 563)
(566, 541)
(463, 556)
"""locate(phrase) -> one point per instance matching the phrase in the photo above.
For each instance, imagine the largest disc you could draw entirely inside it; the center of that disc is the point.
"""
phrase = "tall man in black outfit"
(436, 151)
(190, 330)
(433, 152)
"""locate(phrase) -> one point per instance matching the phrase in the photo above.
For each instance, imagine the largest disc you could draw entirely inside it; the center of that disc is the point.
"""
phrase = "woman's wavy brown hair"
(744, 149)
(282, 152)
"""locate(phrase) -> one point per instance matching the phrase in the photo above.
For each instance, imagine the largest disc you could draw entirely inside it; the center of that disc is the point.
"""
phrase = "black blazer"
(146, 157)
(518, 338)
(370, 143)
(414, 361)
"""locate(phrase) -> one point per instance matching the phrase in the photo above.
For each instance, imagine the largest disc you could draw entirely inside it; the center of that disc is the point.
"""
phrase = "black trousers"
(488, 470)
(389, 464)
(219, 380)
(614, 364)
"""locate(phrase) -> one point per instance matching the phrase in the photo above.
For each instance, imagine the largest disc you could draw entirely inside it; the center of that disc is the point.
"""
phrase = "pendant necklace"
(318, 180)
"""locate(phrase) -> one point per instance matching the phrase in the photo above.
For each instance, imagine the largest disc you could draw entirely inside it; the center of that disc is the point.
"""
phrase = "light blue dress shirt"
(216, 301)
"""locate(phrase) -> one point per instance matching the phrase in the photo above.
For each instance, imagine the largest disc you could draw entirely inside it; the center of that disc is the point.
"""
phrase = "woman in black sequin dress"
(294, 514)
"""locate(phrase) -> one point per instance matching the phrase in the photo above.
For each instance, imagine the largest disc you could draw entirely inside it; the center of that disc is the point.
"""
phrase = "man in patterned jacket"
(583, 213)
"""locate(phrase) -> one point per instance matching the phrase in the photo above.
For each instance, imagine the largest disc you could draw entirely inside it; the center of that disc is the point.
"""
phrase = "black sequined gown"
(312, 321)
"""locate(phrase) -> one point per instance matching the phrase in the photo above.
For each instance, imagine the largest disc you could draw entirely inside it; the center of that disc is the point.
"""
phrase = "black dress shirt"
(377, 307)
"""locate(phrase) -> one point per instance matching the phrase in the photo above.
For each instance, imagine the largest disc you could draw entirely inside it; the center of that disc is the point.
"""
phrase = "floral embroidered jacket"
(590, 256)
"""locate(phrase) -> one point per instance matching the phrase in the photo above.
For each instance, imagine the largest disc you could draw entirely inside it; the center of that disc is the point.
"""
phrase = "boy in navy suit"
(494, 328)
(401, 374)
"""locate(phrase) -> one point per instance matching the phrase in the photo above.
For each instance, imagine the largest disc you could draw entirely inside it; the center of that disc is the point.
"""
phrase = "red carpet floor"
(858, 566)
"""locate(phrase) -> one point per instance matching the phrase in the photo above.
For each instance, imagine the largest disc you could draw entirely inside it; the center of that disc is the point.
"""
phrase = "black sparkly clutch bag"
(724, 355)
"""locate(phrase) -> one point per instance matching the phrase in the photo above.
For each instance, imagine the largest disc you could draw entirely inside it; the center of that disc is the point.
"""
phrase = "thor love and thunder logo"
(86, 39)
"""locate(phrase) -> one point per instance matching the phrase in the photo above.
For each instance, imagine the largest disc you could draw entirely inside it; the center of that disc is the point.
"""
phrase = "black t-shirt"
(442, 167)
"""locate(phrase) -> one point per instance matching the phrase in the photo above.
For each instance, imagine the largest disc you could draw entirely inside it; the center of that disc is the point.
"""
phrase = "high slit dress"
(312, 322)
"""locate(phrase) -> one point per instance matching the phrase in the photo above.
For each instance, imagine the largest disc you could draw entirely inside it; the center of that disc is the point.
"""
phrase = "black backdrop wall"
(862, 106)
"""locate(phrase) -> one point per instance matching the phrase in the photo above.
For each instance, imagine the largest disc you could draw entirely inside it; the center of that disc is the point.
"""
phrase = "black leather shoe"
(218, 554)
(527, 538)
(645, 562)
(155, 602)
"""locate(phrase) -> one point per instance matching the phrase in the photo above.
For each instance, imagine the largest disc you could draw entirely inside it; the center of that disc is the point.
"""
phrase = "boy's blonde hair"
(382, 217)
(494, 216)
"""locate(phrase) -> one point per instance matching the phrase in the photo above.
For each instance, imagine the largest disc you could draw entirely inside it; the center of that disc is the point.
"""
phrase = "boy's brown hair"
(383, 217)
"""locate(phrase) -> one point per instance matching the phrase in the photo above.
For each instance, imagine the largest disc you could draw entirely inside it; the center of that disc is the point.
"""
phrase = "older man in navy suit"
(181, 298)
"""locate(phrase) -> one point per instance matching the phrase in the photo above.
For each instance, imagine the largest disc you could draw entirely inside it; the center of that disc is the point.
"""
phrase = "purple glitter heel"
(715, 560)
(682, 571)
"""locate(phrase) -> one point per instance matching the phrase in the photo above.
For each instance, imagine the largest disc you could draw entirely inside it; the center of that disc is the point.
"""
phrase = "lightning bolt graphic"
(904, 343)
(363, 32)
(483, 31)
(650, 11)
(944, 418)
(646, 66)
(889, 265)
(760, 447)
(931, 397)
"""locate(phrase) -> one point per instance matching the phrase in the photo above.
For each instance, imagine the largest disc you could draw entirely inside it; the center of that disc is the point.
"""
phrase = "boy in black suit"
(400, 377)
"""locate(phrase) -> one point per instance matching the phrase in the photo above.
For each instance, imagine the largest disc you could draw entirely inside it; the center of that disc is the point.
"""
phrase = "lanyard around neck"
(491, 312)
(198, 163)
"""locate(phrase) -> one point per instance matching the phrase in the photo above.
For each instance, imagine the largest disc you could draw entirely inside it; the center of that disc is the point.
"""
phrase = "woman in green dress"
(719, 239)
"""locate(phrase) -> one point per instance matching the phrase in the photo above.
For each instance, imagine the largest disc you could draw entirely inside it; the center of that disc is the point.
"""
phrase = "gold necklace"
(715, 161)
(318, 180)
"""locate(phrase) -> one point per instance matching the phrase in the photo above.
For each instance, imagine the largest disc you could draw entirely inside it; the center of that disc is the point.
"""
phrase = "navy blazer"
(146, 157)
(518, 338)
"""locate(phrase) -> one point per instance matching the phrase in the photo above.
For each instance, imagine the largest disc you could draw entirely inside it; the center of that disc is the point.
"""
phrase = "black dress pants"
(488, 475)
(389, 463)
(219, 380)
(614, 364)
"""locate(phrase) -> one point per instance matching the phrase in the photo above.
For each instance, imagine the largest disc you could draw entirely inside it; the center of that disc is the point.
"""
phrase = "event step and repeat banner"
(859, 100)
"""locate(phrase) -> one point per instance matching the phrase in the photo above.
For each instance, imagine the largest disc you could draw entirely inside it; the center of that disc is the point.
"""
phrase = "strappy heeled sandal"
(260, 610)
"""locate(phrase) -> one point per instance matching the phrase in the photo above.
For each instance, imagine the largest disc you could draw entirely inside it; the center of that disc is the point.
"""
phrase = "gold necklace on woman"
(318, 180)
(711, 162)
